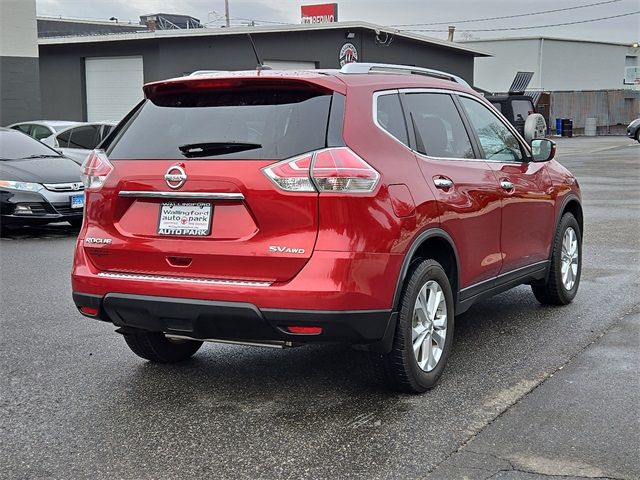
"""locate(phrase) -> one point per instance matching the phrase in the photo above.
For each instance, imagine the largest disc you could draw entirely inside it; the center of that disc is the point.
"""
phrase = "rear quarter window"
(279, 123)
(390, 116)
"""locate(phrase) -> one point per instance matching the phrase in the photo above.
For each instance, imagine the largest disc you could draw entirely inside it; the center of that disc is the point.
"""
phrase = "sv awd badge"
(278, 249)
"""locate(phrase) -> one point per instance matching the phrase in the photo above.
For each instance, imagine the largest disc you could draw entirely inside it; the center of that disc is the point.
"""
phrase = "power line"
(529, 27)
(453, 22)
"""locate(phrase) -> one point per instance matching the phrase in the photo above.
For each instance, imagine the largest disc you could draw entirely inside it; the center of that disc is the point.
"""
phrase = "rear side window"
(521, 109)
(438, 126)
(63, 138)
(242, 123)
(390, 116)
(84, 137)
(39, 132)
(24, 128)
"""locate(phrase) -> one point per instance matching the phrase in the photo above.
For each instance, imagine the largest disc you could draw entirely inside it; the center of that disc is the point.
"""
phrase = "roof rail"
(350, 68)
(205, 72)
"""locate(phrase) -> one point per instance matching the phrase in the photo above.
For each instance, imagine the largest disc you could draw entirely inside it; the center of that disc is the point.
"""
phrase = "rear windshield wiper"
(42, 156)
(209, 149)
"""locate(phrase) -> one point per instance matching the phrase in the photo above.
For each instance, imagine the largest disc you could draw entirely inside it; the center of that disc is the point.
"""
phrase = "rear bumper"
(240, 321)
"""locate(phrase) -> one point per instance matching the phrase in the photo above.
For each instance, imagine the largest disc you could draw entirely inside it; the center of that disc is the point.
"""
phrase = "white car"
(40, 129)
(78, 141)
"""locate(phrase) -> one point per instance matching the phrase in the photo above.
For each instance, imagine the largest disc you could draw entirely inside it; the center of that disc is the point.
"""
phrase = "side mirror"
(542, 149)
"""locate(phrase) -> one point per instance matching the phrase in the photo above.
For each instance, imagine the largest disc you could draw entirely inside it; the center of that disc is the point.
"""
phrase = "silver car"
(78, 141)
(40, 129)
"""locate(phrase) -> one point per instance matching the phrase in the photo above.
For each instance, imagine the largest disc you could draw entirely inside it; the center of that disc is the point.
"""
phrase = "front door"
(526, 189)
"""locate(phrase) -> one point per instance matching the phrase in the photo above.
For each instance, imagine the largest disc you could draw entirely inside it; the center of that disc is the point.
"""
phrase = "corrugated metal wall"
(614, 109)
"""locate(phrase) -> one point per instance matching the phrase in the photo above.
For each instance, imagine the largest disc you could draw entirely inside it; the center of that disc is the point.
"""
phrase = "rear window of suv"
(272, 124)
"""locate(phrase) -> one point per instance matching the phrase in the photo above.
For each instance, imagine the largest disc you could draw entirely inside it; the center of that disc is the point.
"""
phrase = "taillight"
(292, 175)
(337, 170)
(95, 170)
(341, 170)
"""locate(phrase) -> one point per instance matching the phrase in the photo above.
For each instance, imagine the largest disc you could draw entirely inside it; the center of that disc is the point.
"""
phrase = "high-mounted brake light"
(95, 170)
(336, 170)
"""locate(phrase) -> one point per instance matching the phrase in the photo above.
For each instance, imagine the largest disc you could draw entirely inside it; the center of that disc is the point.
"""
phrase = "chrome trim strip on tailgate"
(189, 195)
(167, 278)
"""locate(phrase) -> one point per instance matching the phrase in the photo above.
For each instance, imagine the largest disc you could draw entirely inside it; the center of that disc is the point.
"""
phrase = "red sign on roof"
(323, 13)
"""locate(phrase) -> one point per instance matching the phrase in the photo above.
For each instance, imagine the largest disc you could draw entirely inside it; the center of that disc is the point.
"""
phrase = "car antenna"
(260, 66)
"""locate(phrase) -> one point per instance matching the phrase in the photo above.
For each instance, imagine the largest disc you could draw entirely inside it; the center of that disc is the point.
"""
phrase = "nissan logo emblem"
(175, 177)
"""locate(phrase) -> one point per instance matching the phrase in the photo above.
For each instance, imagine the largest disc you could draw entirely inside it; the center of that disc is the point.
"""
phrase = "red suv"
(368, 205)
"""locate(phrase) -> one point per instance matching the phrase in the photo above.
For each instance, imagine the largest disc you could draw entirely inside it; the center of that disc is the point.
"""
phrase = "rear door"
(525, 187)
(188, 195)
(466, 190)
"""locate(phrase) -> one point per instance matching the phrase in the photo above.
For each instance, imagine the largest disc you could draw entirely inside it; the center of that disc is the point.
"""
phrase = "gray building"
(64, 27)
(100, 77)
(19, 65)
(95, 70)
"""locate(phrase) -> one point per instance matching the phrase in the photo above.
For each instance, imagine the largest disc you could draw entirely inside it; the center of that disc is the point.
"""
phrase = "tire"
(155, 347)
(75, 222)
(557, 291)
(400, 368)
(638, 135)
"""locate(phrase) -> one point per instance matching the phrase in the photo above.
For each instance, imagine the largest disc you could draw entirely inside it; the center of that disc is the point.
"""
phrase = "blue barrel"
(559, 126)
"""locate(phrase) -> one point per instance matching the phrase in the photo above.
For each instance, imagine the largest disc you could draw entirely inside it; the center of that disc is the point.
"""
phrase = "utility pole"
(226, 12)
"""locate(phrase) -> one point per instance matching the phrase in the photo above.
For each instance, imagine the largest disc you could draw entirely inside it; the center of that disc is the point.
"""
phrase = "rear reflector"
(332, 170)
(304, 330)
(89, 311)
(95, 170)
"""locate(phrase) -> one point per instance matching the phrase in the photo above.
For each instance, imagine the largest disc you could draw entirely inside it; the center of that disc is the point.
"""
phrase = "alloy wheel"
(569, 258)
(429, 325)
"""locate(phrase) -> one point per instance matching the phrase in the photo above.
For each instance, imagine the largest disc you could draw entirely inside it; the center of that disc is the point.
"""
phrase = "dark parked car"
(515, 108)
(633, 130)
(37, 184)
(367, 205)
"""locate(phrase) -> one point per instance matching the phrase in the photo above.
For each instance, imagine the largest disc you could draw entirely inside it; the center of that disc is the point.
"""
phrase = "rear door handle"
(443, 183)
(506, 185)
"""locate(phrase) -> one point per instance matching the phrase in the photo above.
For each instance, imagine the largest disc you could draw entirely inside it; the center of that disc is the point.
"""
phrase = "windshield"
(228, 124)
(15, 145)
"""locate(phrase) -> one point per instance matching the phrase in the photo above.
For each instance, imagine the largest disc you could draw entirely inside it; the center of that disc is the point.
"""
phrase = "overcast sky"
(386, 12)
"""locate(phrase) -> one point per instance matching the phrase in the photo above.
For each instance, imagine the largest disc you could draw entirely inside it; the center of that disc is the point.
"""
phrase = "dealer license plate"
(188, 219)
(77, 201)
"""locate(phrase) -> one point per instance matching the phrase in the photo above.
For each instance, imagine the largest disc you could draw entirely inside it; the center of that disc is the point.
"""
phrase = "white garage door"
(114, 86)
(290, 65)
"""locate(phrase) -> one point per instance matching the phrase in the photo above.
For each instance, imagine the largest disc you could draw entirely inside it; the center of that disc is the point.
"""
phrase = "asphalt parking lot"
(515, 402)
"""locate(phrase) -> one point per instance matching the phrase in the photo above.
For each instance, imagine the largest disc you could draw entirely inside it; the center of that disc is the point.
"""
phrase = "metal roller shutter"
(113, 86)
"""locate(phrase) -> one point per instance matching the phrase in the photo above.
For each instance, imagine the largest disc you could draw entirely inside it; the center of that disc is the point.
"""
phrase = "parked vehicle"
(515, 108)
(40, 129)
(633, 130)
(368, 205)
(78, 141)
(37, 184)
